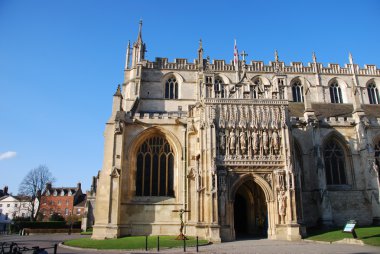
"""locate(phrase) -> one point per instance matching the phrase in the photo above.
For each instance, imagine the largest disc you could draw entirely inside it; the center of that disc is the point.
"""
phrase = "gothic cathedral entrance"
(250, 211)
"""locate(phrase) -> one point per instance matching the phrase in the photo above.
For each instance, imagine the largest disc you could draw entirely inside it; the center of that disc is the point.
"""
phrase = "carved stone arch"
(178, 76)
(269, 196)
(134, 145)
(225, 79)
(340, 82)
(266, 81)
(340, 139)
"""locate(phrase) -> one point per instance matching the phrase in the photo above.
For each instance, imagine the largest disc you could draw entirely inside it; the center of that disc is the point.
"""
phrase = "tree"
(33, 184)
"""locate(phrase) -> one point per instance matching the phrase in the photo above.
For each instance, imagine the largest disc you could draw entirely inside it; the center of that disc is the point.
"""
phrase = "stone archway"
(250, 211)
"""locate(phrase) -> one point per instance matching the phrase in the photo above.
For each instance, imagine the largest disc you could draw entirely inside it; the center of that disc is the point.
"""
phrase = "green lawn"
(132, 242)
(369, 235)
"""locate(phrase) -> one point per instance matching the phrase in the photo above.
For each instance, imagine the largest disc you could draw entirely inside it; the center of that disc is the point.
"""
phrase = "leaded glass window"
(297, 91)
(335, 93)
(155, 168)
(334, 163)
(171, 88)
(373, 94)
(220, 88)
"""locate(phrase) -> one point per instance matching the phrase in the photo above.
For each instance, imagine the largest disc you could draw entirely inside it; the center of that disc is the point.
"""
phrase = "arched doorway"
(250, 211)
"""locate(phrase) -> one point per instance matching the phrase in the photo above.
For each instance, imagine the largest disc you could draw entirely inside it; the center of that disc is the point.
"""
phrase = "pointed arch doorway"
(250, 211)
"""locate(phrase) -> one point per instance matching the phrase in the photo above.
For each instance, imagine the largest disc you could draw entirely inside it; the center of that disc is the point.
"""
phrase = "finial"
(350, 58)
(118, 91)
(314, 58)
(276, 55)
(139, 37)
(200, 43)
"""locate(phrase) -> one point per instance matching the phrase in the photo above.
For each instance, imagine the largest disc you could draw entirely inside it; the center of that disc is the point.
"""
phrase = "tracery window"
(373, 94)
(335, 93)
(297, 91)
(334, 163)
(171, 88)
(155, 168)
(253, 92)
(220, 88)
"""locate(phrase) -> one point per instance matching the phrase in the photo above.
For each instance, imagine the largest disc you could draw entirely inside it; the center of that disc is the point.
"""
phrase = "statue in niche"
(255, 141)
(265, 142)
(232, 142)
(243, 142)
(275, 142)
(281, 198)
(222, 141)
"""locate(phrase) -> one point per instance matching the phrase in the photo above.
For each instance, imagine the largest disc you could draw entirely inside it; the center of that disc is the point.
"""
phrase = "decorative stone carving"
(232, 142)
(281, 198)
(243, 142)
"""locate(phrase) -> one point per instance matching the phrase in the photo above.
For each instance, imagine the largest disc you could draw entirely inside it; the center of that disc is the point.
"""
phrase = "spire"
(139, 48)
(139, 36)
(118, 91)
(200, 55)
(314, 58)
(350, 58)
(127, 55)
(276, 55)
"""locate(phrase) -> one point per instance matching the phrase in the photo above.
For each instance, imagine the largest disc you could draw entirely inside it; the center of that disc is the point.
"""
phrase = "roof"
(62, 191)
(81, 202)
(296, 109)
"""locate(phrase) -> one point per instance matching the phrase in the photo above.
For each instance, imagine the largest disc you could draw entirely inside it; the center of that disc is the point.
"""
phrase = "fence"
(14, 248)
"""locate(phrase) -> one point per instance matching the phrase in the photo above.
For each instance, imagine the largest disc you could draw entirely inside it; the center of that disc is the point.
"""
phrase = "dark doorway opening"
(250, 212)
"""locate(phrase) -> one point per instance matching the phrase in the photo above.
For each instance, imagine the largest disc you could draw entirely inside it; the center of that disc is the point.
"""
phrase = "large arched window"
(171, 88)
(334, 163)
(373, 94)
(297, 91)
(335, 93)
(155, 168)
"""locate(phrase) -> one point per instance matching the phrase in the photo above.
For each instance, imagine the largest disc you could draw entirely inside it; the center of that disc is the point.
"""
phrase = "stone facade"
(243, 148)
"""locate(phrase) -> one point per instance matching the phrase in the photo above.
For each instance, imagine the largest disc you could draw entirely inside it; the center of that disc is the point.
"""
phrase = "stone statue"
(265, 142)
(243, 142)
(275, 142)
(222, 141)
(282, 206)
(255, 141)
(232, 142)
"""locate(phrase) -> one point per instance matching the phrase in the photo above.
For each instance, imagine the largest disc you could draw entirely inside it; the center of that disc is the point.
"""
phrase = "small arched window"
(155, 168)
(171, 88)
(220, 88)
(373, 94)
(297, 91)
(334, 159)
(254, 90)
(335, 93)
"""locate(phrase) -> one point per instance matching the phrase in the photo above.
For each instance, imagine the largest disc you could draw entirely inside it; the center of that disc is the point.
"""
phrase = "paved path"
(258, 246)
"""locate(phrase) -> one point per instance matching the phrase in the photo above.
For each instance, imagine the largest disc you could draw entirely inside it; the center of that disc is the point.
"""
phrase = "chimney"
(79, 185)
(5, 190)
(48, 185)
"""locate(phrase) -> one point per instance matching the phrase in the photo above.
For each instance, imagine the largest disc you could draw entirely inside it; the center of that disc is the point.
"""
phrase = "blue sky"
(61, 61)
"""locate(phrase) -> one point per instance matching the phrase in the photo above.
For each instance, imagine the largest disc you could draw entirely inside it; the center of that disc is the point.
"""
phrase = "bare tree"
(33, 184)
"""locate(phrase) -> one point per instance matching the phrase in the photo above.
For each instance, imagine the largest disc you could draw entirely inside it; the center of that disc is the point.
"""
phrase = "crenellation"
(259, 66)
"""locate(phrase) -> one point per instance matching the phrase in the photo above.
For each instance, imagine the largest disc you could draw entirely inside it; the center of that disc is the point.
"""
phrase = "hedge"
(19, 225)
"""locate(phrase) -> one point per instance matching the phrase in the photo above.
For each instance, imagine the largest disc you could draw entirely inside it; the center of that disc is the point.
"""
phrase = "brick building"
(61, 200)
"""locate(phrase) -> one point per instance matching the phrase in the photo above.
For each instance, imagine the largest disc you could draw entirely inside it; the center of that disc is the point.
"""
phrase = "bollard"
(158, 243)
(197, 245)
(55, 248)
(146, 243)
(184, 244)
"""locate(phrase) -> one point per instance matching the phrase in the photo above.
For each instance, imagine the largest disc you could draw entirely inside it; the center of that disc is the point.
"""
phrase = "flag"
(236, 56)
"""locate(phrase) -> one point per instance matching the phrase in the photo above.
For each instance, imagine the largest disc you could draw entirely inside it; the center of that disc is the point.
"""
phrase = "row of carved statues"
(249, 142)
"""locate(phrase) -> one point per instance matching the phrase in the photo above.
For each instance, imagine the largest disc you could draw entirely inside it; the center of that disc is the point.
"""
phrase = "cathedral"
(224, 150)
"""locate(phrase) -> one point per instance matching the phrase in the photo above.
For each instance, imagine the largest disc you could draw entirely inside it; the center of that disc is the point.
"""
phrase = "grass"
(132, 242)
(369, 235)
